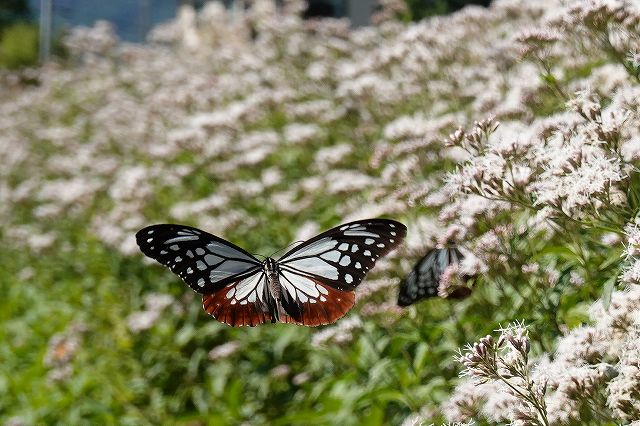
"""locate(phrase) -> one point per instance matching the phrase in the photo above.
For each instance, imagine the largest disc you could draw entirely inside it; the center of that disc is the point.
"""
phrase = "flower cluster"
(145, 319)
(593, 373)
(505, 362)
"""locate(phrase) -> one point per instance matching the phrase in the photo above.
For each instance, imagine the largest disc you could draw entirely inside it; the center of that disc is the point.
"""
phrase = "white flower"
(298, 133)
(224, 351)
(143, 320)
(331, 155)
(342, 332)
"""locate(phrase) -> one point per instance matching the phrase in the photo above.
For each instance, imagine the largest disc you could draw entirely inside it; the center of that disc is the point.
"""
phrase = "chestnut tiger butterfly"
(425, 277)
(312, 284)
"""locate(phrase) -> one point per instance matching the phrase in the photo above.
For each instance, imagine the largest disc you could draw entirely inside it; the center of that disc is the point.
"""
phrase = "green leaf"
(420, 358)
(607, 291)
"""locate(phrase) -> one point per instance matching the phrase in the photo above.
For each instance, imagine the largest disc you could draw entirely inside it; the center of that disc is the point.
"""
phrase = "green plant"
(19, 46)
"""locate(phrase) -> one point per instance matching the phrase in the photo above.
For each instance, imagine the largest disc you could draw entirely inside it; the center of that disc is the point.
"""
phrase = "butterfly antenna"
(284, 248)
(261, 255)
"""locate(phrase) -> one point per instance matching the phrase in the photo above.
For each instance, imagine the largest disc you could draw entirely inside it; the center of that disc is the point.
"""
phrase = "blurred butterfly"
(426, 276)
(312, 284)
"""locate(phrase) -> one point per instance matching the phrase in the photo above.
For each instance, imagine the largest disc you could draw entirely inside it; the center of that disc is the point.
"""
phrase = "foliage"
(12, 11)
(19, 46)
(512, 131)
(420, 9)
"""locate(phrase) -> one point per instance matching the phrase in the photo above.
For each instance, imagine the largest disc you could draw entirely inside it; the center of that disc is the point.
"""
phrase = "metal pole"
(46, 12)
(145, 19)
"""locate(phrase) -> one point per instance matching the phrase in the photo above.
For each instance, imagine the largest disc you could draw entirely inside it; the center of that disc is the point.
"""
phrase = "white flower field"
(512, 132)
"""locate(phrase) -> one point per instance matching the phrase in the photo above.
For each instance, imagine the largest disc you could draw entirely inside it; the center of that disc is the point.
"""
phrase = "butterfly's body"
(312, 284)
(271, 270)
(274, 287)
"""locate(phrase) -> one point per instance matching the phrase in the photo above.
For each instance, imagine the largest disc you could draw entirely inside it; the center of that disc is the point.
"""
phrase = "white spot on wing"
(361, 234)
(345, 260)
(354, 248)
(367, 253)
(316, 266)
(201, 282)
(174, 247)
(322, 245)
(380, 245)
(322, 290)
(343, 247)
(212, 259)
(304, 284)
(247, 285)
(290, 289)
(348, 278)
(190, 253)
(179, 239)
(226, 251)
(369, 241)
(333, 256)
(200, 265)
(358, 265)
(200, 251)
(150, 232)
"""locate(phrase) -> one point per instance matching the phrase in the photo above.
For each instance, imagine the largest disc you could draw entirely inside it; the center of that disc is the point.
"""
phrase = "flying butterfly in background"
(425, 277)
(312, 284)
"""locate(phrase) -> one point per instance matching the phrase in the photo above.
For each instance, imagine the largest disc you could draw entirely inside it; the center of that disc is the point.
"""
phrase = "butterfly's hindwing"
(243, 302)
(205, 262)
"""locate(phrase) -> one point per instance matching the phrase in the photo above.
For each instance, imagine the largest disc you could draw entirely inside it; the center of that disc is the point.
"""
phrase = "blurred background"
(508, 127)
(20, 20)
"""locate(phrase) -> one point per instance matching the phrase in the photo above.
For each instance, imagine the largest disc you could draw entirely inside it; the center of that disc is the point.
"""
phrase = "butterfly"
(312, 284)
(425, 277)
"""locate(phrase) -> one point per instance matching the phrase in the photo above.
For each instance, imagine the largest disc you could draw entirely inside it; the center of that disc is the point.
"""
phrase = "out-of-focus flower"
(224, 351)
(340, 333)
(301, 378)
(280, 371)
(155, 303)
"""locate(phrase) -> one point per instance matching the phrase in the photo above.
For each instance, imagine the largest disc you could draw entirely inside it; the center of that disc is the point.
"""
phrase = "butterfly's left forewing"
(319, 276)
